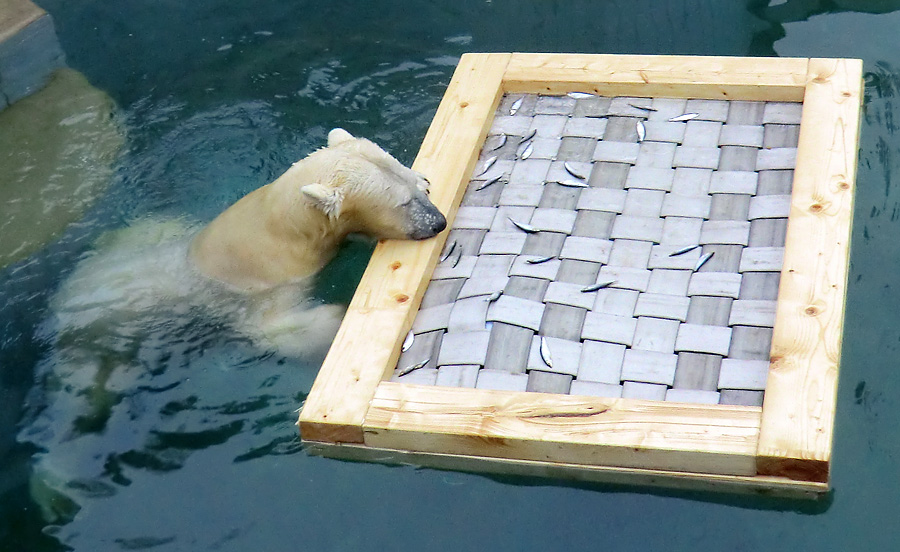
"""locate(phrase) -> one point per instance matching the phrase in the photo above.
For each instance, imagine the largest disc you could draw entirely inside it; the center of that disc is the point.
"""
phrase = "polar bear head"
(364, 189)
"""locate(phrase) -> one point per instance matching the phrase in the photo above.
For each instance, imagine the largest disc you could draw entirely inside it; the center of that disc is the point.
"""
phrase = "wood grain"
(761, 485)
(733, 78)
(798, 412)
(366, 347)
(784, 446)
(564, 428)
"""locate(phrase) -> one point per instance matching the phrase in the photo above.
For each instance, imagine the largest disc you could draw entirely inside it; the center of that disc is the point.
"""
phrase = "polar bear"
(292, 227)
(158, 290)
(252, 264)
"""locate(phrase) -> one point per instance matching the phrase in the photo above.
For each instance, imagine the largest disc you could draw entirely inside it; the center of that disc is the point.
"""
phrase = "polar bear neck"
(256, 243)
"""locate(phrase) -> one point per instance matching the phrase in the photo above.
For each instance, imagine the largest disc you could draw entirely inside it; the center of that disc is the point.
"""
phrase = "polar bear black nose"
(426, 220)
(439, 224)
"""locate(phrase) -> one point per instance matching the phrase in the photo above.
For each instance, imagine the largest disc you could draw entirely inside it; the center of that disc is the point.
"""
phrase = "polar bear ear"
(338, 136)
(327, 199)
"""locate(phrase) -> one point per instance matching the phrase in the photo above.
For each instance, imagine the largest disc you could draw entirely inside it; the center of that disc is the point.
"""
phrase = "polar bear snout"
(425, 220)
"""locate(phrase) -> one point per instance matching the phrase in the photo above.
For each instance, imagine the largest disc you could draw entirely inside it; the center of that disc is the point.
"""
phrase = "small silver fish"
(413, 367)
(528, 137)
(703, 260)
(457, 258)
(449, 252)
(408, 342)
(528, 151)
(487, 165)
(494, 296)
(487, 183)
(515, 106)
(599, 285)
(573, 184)
(545, 352)
(641, 130)
(683, 250)
(643, 107)
(523, 227)
(540, 260)
(579, 95)
(502, 143)
(685, 117)
(571, 170)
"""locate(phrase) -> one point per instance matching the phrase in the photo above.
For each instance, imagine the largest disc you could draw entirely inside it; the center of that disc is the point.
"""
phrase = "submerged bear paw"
(299, 332)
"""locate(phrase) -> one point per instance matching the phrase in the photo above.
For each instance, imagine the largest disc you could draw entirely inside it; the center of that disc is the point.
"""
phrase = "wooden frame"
(784, 447)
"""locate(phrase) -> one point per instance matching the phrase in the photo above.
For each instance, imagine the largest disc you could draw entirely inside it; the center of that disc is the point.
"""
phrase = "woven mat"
(574, 211)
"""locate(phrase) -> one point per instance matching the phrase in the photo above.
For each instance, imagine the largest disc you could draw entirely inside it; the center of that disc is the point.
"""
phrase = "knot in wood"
(395, 265)
(401, 298)
(811, 310)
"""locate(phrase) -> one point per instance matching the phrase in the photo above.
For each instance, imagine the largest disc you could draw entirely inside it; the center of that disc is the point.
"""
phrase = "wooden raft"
(610, 189)
(604, 429)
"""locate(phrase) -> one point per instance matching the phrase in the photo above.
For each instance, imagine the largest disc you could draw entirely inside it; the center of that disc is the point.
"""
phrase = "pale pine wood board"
(783, 446)
(367, 345)
(798, 411)
(731, 78)
(564, 428)
(689, 481)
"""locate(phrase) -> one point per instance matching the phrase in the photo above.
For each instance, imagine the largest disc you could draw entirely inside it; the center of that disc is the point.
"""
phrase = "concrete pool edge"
(29, 50)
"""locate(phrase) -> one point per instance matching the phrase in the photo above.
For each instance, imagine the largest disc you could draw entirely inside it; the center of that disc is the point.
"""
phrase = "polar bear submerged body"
(252, 264)
(159, 290)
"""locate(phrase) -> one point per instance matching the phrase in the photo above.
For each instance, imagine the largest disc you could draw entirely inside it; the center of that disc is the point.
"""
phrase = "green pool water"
(200, 451)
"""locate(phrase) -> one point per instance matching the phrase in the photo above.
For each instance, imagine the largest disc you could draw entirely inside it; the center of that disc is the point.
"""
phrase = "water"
(218, 98)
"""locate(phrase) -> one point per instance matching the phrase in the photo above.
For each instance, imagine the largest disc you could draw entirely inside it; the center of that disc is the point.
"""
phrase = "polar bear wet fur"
(158, 286)
(253, 262)
(292, 227)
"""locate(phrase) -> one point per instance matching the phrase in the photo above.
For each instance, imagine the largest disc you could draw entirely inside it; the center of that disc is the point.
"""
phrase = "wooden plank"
(426, 346)
(508, 348)
(690, 481)
(560, 429)
(775, 182)
(540, 381)
(745, 113)
(741, 397)
(726, 258)
(734, 78)
(568, 429)
(781, 136)
(441, 292)
(750, 343)
(798, 414)
(562, 321)
(729, 207)
(759, 285)
(366, 347)
(697, 371)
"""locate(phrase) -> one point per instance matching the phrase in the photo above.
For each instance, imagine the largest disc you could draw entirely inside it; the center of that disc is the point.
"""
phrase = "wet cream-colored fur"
(252, 264)
(290, 228)
(158, 286)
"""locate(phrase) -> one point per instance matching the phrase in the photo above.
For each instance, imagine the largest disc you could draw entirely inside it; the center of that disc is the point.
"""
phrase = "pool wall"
(29, 50)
